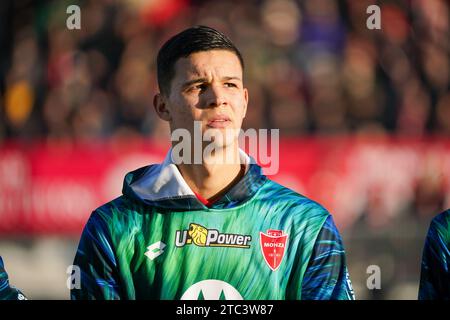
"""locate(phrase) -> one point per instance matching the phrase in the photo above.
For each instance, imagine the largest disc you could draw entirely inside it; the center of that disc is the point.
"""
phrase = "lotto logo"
(155, 250)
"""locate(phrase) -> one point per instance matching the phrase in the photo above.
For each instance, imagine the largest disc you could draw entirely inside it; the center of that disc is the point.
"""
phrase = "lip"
(219, 122)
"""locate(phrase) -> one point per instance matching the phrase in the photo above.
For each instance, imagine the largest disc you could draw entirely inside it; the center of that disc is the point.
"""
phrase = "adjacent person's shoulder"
(443, 218)
(440, 225)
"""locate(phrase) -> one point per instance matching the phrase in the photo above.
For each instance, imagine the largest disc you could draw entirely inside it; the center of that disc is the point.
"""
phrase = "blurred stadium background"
(364, 119)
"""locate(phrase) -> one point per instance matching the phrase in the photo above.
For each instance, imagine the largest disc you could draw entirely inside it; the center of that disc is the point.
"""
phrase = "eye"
(198, 87)
(230, 85)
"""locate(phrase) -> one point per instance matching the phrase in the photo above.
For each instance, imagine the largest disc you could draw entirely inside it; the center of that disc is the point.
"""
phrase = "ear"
(160, 105)
(246, 102)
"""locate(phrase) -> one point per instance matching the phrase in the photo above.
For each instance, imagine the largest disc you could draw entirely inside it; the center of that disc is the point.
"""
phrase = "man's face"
(207, 87)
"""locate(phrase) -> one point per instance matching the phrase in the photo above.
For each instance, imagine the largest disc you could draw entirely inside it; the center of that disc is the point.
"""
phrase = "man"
(6, 291)
(435, 273)
(211, 229)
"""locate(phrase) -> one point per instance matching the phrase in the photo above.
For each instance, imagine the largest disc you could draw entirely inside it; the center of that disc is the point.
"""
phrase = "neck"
(214, 175)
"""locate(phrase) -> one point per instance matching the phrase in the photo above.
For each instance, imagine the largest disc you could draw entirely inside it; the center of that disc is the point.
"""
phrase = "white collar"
(162, 181)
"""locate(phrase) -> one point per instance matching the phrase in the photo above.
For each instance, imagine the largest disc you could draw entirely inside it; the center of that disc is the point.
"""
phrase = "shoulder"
(291, 201)
(118, 205)
(440, 227)
(442, 219)
(115, 213)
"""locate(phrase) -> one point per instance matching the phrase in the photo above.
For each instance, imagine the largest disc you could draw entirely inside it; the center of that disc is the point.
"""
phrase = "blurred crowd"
(312, 67)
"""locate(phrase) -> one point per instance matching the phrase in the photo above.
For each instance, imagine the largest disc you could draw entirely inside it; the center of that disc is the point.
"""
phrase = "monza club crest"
(273, 245)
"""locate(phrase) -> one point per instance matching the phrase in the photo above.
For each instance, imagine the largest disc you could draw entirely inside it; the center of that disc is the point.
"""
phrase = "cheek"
(239, 106)
(185, 113)
(181, 106)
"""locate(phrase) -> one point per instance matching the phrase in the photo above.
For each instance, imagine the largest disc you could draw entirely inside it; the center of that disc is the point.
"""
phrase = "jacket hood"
(163, 186)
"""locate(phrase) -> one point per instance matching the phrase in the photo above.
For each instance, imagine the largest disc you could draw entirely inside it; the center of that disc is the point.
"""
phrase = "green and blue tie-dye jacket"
(7, 292)
(435, 274)
(260, 241)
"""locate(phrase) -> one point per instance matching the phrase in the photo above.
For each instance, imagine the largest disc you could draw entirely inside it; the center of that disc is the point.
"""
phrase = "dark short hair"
(185, 43)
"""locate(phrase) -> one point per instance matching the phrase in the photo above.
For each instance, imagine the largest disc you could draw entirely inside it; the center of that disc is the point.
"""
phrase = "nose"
(215, 97)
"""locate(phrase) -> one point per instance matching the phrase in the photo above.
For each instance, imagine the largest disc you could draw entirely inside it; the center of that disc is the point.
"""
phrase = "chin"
(221, 137)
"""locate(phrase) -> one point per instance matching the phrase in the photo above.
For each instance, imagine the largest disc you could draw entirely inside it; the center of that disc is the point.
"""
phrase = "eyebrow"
(201, 80)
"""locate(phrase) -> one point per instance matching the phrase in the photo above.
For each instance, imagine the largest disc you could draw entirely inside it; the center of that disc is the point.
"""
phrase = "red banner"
(53, 187)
